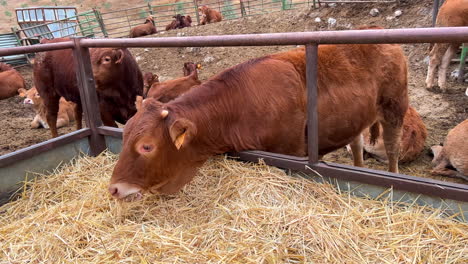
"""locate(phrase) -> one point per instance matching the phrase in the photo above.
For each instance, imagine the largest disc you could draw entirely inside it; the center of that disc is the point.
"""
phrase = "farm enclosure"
(440, 112)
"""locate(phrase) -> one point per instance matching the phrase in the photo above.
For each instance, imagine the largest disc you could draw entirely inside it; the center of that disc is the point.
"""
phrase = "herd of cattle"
(173, 127)
(207, 15)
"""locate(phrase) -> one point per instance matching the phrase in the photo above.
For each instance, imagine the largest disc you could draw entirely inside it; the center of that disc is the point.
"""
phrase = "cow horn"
(164, 113)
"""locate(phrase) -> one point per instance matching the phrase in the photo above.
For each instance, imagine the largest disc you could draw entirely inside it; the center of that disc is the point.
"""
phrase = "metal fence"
(119, 22)
(84, 24)
(96, 132)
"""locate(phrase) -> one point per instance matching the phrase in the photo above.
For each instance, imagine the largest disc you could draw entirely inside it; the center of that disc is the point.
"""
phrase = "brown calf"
(453, 13)
(147, 28)
(179, 22)
(452, 158)
(209, 15)
(169, 90)
(412, 140)
(10, 81)
(66, 113)
(261, 105)
(116, 74)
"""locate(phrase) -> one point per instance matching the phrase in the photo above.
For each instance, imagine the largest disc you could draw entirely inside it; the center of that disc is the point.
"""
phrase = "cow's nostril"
(113, 190)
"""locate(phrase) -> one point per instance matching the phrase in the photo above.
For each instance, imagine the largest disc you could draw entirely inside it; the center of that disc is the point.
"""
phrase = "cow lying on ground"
(209, 15)
(453, 13)
(10, 81)
(147, 28)
(66, 113)
(116, 74)
(169, 90)
(452, 158)
(179, 22)
(148, 80)
(261, 105)
(412, 140)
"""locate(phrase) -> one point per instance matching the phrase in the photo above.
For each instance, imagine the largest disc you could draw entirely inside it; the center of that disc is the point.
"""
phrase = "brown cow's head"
(105, 64)
(148, 80)
(203, 11)
(157, 153)
(32, 96)
(149, 19)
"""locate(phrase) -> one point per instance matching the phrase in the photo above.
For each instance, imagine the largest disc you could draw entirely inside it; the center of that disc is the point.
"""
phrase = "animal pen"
(96, 138)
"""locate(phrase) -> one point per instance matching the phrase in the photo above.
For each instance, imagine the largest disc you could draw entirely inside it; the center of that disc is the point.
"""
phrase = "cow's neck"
(211, 108)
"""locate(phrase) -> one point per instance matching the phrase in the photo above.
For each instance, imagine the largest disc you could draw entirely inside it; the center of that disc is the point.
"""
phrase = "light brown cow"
(66, 113)
(453, 13)
(261, 105)
(10, 81)
(169, 90)
(147, 28)
(209, 15)
(412, 140)
(452, 158)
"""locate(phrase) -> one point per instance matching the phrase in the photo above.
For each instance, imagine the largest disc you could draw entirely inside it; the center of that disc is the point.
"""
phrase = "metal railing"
(311, 40)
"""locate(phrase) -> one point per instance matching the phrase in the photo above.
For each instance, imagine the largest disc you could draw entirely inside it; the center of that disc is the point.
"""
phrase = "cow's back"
(10, 82)
(354, 83)
(456, 147)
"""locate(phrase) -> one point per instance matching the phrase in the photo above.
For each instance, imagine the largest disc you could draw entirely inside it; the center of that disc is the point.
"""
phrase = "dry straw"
(231, 213)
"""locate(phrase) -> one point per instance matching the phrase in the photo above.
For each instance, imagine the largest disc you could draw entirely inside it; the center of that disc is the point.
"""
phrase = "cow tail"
(374, 132)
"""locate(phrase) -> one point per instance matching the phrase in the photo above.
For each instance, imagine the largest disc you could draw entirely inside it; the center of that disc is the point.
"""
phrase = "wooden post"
(88, 96)
(312, 115)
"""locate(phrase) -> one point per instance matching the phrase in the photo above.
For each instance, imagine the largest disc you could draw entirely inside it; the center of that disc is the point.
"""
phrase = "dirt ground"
(440, 112)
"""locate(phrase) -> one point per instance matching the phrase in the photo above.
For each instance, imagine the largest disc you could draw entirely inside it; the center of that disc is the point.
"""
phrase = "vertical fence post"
(435, 11)
(312, 115)
(88, 96)
(150, 11)
(242, 7)
(195, 3)
(98, 16)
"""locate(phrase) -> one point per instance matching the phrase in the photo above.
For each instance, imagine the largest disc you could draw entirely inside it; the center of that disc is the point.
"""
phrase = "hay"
(231, 213)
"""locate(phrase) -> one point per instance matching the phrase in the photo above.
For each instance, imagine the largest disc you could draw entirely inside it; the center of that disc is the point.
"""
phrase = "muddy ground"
(440, 112)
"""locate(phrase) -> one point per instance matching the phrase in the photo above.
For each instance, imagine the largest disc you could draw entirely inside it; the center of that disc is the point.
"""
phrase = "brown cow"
(66, 113)
(179, 22)
(412, 139)
(148, 80)
(10, 81)
(261, 105)
(147, 28)
(209, 15)
(452, 158)
(116, 74)
(453, 13)
(169, 90)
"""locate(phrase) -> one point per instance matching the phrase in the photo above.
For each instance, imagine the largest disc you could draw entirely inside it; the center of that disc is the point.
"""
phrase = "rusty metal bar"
(312, 115)
(45, 146)
(413, 184)
(36, 48)
(110, 131)
(88, 96)
(415, 35)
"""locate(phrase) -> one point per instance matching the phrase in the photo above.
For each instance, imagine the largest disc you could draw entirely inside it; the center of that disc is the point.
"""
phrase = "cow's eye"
(107, 59)
(146, 148)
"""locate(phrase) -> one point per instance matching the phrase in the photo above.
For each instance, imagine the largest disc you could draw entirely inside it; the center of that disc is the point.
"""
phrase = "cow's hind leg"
(442, 78)
(357, 148)
(392, 137)
(438, 50)
(52, 111)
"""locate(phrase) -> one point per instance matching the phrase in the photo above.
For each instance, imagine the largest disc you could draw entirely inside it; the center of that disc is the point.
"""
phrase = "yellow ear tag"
(179, 141)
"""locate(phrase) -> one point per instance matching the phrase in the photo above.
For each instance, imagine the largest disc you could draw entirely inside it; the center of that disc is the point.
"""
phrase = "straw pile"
(232, 213)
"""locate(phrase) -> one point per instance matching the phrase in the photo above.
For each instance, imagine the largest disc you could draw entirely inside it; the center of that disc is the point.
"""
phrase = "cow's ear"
(138, 102)
(182, 131)
(120, 56)
(22, 92)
